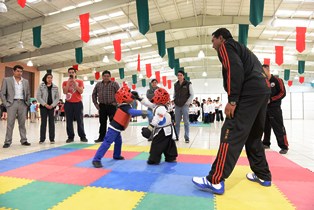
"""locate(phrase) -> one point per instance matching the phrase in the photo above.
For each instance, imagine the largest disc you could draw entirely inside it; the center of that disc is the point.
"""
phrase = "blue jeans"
(179, 112)
(111, 136)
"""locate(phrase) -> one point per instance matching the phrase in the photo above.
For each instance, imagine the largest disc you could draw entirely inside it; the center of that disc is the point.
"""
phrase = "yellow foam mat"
(2, 208)
(193, 151)
(9, 183)
(239, 194)
(101, 198)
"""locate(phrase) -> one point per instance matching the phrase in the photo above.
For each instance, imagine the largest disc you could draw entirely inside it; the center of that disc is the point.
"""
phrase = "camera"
(71, 76)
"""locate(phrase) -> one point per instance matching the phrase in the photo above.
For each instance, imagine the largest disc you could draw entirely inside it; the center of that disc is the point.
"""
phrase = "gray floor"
(300, 137)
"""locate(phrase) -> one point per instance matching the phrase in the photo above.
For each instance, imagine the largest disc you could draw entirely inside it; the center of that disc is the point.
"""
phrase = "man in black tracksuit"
(274, 117)
(248, 93)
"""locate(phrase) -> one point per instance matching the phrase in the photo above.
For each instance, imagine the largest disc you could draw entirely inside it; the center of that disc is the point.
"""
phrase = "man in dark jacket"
(274, 117)
(248, 93)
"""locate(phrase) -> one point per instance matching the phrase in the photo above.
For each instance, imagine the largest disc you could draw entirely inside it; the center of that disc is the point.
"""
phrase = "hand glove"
(147, 131)
(136, 96)
(147, 113)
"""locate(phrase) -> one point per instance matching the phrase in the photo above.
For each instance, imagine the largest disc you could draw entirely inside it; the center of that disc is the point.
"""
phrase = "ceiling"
(188, 25)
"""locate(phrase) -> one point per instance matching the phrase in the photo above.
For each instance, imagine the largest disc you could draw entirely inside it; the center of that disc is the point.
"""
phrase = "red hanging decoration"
(279, 54)
(138, 63)
(21, 3)
(148, 70)
(133, 86)
(164, 81)
(124, 84)
(75, 67)
(117, 49)
(267, 61)
(113, 79)
(301, 79)
(157, 75)
(289, 83)
(97, 75)
(300, 38)
(84, 21)
(169, 84)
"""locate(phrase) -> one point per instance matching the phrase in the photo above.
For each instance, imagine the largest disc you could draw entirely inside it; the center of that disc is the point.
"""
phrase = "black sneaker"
(266, 147)
(52, 142)
(69, 140)
(6, 145)
(187, 140)
(150, 162)
(283, 151)
(97, 164)
(26, 143)
(84, 140)
(41, 142)
(118, 158)
(98, 141)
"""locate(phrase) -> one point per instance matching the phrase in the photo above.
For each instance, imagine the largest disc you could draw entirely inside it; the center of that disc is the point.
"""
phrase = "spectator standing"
(150, 93)
(15, 97)
(104, 100)
(183, 96)
(73, 88)
(48, 97)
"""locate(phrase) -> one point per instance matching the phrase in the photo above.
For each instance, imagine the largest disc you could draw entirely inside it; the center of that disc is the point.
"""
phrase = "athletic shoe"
(252, 177)
(203, 184)
(97, 164)
(283, 151)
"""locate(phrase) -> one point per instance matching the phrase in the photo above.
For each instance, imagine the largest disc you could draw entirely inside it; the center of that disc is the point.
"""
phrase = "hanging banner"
(164, 81)
(301, 79)
(161, 43)
(84, 21)
(134, 78)
(169, 84)
(157, 75)
(287, 74)
(267, 61)
(75, 67)
(243, 33)
(148, 70)
(300, 38)
(97, 75)
(170, 52)
(22, 3)
(138, 63)
(290, 83)
(301, 67)
(121, 73)
(142, 15)
(117, 49)
(37, 36)
(91, 82)
(113, 79)
(133, 86)
(143, 82)
(256, 11)
(279, 55)
(79, 55)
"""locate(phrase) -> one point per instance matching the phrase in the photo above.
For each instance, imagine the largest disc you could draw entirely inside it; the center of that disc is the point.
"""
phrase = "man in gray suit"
(15, 96)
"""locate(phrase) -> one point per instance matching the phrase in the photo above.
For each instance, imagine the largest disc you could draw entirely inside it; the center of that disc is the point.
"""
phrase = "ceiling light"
(3, 7)
(201, 54)
(20, 45)
(30, 63)
(204, 74)
(33, 1)
(105, 59)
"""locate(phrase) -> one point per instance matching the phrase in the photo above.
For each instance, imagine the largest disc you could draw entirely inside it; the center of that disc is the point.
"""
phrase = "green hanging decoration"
(79, 55)
(142, 15)
(134, 79)
(287, 74)
(121, 73)
(301, 66)
(91, 82)
(143, 82)
(187, 78)
(170, 52)
(256, 11)
(176, 66)
(37, 36)
(243, 33)
(161, 42)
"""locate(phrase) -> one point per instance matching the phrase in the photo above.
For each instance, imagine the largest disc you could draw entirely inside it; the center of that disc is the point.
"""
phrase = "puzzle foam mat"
(64, 178)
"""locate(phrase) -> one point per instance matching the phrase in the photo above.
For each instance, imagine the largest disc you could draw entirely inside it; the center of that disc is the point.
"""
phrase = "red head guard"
(124, 95)
(161, 96)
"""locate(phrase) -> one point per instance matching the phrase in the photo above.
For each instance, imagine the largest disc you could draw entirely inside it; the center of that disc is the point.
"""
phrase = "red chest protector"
(122, 118)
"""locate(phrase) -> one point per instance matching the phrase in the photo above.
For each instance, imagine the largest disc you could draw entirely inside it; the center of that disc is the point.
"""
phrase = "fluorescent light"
(73, 25)
(116, 14)
(68, 8)
(33, 1)
(84, 3)
(108, 47)
(149, 45)
(99, 31)
(20, 44)
(3, 7)
(100, 18)
(113, 28)
(127, 25)
(288, 22)
(30, 63)
(135, 48)
(53, 13)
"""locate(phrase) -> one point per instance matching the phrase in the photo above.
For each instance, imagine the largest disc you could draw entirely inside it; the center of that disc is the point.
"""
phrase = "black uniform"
(247, 85)
(274, 117)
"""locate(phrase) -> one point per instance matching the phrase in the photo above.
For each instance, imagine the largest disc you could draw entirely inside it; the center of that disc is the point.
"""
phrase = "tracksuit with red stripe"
(247, 85)
(274, 117)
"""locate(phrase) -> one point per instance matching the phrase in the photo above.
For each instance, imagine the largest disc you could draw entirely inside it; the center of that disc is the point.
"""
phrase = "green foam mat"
(77, 146)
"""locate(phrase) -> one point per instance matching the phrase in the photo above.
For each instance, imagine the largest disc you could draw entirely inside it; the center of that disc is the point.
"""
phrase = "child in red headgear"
(119, 123)
(160, 129)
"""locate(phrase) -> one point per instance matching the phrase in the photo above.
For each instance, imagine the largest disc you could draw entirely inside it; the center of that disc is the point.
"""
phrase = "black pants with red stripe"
(245, 129)
(274, 120)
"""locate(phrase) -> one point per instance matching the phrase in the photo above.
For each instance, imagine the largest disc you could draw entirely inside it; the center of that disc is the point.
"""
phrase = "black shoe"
(84, 140)
(69, 140)
(26, 144)
(41, 142)
(171, 161)
(150, 162)
(176, 139)
(52, 142)
(266, 147)
(187, 140)
(283, 151)
(98, 141)
(6, 145)
(118, 158)
(97, 164)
